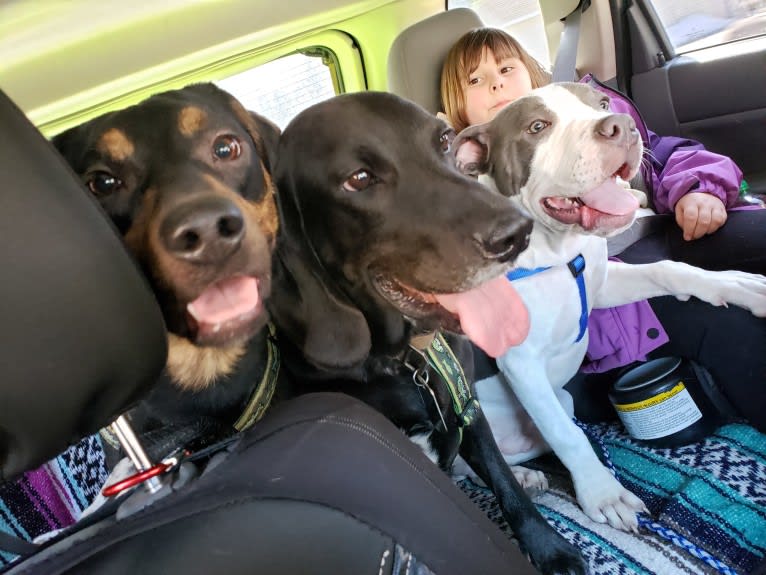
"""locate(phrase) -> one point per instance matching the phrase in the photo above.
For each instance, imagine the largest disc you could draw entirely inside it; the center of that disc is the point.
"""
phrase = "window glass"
(695, 24)
(522, 19)
(283, 87)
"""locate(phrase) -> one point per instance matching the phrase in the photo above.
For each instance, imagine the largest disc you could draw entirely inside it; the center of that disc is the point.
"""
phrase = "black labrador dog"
(186, 178)
(383, 243)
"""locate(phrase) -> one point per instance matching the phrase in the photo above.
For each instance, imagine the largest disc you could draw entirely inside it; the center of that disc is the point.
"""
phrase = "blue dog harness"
(576, 268)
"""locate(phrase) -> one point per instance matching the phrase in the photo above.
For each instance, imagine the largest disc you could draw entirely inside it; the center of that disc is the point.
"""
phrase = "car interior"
(68, 370)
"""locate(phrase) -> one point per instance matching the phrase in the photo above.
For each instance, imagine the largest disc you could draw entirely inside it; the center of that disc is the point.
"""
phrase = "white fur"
(538, 369)
(423, 440)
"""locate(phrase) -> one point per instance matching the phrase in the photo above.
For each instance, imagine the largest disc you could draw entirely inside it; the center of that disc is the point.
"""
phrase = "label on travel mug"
(660, 415)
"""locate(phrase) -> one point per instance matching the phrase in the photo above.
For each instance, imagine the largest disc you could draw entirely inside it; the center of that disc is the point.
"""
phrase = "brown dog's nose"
(507, 240)
(204, 230)
(617, 128)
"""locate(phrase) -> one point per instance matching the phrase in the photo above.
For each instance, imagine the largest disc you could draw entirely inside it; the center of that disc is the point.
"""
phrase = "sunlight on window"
(695, 24)
(280, 89)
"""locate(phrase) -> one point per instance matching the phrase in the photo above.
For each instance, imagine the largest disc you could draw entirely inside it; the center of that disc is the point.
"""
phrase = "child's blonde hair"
(465, 56)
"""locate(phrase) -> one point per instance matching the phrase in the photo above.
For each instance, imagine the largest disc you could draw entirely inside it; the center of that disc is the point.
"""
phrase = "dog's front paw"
(554, 555)
(735, 287)
(604, 500)
(530, 479)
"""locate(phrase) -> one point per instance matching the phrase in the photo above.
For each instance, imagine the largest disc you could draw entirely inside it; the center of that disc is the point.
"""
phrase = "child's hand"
(699, 213)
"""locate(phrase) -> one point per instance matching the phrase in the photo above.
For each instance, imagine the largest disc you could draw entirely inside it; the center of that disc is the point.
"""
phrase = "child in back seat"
(485, 70)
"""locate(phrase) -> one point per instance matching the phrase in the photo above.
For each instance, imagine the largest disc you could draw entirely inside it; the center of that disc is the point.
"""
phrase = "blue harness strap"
(576, 267)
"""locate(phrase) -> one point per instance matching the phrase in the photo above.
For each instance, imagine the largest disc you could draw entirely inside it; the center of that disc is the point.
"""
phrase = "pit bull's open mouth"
(492, 315)
(607, 206)
(227, 311)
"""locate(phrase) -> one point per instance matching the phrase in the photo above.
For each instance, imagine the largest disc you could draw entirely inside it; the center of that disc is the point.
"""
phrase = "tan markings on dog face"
(195, 368)
(191, 120)
(116, 145)
(263, 213)
(137, 236)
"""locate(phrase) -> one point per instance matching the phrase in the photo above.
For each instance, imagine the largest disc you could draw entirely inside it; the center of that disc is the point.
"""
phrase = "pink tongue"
(225, 300)
(491, 315)
(611, 198)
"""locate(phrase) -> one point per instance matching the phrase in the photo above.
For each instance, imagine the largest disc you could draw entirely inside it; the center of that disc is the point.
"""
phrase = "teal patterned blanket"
(707, 504)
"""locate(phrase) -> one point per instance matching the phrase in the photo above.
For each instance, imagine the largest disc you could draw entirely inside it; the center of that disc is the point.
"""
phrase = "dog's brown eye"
(358, 181)
(227, 148)
(445, 140)
(103, 183)
(538, 126)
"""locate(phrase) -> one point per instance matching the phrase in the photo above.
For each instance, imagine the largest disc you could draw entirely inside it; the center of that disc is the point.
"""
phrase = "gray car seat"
(418, 52)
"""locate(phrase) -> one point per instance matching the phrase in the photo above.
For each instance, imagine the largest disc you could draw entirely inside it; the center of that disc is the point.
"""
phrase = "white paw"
(604, 500)
(530, 479)
(739, 288)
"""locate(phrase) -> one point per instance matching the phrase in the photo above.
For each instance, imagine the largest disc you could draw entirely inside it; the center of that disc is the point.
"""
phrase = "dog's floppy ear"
(269, 133)
(331, 333)
(70, 143)
(471, 149)
(264, 132)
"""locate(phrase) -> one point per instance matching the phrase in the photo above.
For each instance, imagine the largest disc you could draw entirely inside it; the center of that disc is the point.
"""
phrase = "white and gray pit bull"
(559, 153)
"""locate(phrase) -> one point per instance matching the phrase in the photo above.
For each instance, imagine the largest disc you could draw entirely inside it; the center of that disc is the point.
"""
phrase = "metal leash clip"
(421, 377)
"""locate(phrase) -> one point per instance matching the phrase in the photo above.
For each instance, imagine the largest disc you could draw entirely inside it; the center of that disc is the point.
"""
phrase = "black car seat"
(322, 484)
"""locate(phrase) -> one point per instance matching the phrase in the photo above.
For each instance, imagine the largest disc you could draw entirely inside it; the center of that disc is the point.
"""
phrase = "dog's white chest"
(559, 303)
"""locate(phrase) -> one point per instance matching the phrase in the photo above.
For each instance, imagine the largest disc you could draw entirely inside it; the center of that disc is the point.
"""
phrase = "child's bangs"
(502, 47)
(493, 40)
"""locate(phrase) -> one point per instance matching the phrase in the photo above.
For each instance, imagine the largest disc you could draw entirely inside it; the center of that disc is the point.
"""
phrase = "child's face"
(492, 85)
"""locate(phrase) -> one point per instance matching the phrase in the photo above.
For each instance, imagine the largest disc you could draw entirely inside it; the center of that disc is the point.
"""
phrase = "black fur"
(368, 191)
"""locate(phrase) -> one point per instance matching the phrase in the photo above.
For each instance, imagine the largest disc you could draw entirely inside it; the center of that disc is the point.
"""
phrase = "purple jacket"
(675, 166)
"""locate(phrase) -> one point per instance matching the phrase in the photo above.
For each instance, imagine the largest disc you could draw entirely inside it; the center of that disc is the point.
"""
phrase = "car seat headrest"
(418, 52)
(82, 335)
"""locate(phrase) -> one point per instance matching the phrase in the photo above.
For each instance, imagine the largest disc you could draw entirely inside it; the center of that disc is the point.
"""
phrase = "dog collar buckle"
(576, 266)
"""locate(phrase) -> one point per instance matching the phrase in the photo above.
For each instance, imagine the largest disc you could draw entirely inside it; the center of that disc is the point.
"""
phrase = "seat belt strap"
(16, 545)
(565, 67)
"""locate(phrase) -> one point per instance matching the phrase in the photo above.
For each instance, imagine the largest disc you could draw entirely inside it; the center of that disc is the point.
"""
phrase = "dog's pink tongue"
(611, 198)
(491, 315)
(225, 300)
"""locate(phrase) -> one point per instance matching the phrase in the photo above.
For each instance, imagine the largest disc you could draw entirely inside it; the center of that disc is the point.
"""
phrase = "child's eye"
(506, 69)
(473, 81)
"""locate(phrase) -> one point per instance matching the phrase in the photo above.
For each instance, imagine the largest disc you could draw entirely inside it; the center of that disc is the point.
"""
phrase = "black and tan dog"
(383, 240)
(186, 177)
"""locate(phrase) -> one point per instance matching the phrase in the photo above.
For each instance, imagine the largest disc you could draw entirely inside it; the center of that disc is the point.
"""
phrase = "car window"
(280, 89)
(520, 18)
(696, 24)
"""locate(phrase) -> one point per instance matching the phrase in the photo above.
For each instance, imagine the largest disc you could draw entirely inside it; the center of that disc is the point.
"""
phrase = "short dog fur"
(376, 219)
(185, 177)
(557, 153)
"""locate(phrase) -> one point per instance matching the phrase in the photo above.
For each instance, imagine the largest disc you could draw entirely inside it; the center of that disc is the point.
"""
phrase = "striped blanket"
(54, 495)
(707, 504)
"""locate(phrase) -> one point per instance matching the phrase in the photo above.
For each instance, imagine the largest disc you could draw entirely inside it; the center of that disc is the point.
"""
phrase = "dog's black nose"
(617, 128)
(204, 230)
(507, 240)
